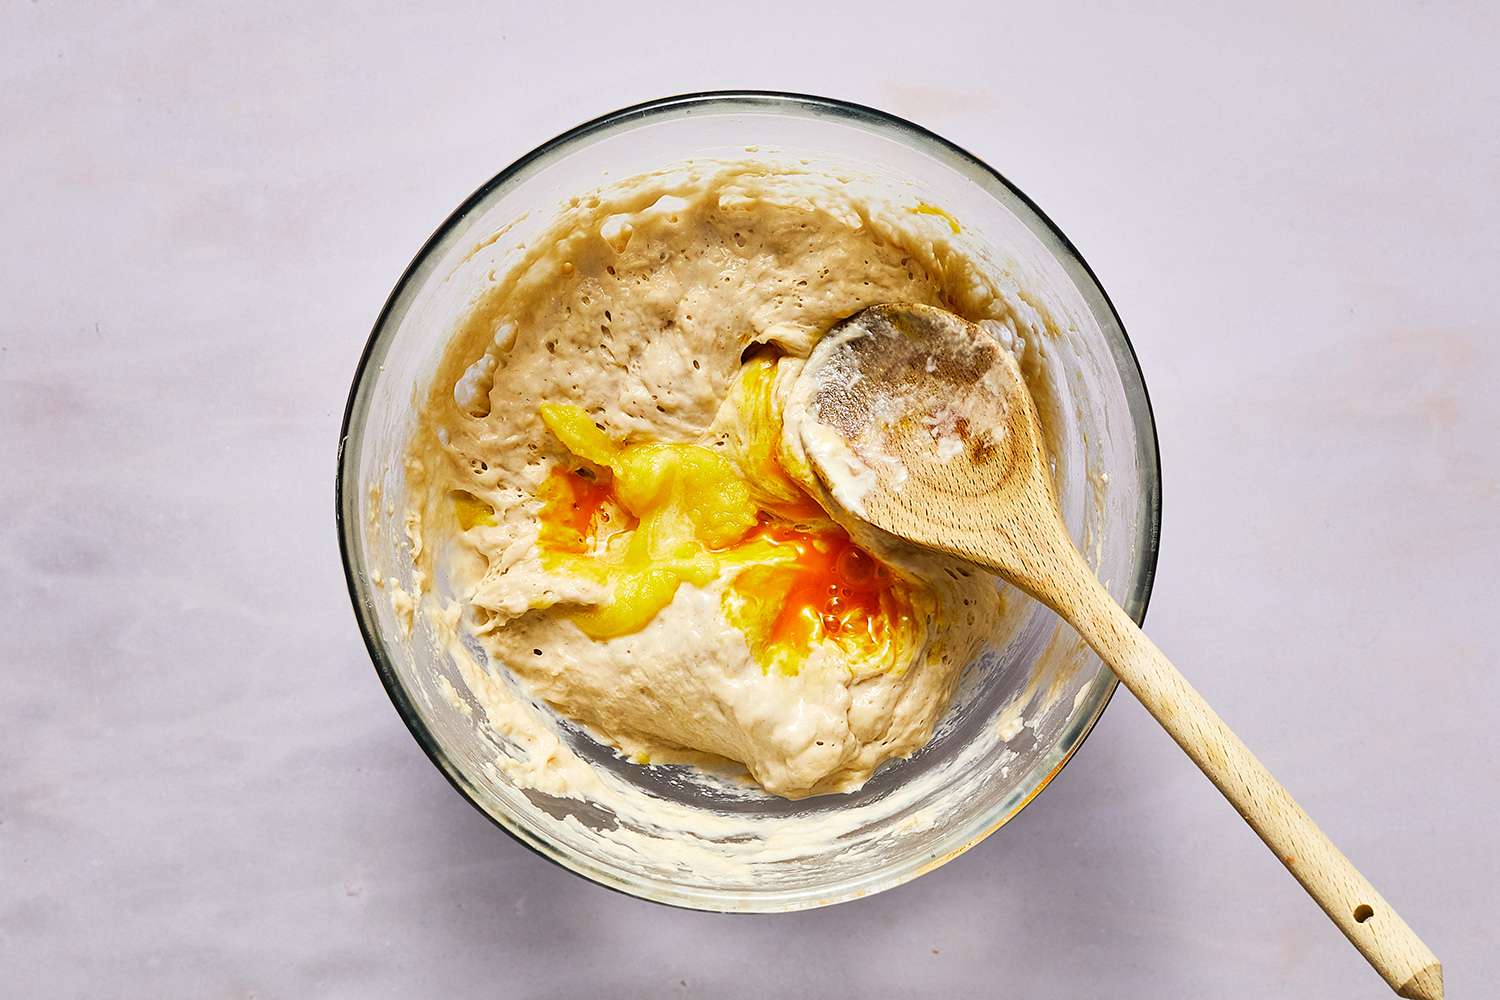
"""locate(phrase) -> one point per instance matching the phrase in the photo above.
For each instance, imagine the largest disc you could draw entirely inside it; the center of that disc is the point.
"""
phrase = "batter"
(601, 471)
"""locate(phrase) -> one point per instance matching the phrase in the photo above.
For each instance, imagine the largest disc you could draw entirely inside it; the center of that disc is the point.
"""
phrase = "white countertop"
(204, 790)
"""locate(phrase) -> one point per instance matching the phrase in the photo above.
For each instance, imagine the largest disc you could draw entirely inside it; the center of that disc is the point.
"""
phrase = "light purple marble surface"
(204, 792)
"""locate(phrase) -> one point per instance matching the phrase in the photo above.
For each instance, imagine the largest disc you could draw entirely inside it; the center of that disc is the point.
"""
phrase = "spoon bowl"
(920, 423)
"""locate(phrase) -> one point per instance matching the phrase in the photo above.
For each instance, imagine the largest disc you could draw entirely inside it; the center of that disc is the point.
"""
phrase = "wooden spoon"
(919, 423)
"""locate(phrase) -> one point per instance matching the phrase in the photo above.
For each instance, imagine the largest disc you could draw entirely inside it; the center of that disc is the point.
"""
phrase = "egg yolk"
(576, 508)
(832, 591)
(646, 518)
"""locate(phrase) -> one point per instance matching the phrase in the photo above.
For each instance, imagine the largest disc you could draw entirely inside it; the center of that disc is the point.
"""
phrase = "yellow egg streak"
(472, 512)
(923, 208)
(691, 508)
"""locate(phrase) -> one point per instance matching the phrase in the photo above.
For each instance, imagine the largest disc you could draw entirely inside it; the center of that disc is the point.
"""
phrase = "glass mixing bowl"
(674, 834)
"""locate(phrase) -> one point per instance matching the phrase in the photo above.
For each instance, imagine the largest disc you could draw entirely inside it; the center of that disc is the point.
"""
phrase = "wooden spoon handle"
(1366, 919)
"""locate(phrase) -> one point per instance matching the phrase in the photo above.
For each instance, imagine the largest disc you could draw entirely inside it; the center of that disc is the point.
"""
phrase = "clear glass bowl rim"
(346, 491)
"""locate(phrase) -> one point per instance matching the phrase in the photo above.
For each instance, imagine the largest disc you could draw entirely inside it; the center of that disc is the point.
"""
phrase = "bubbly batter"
(601, 471)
